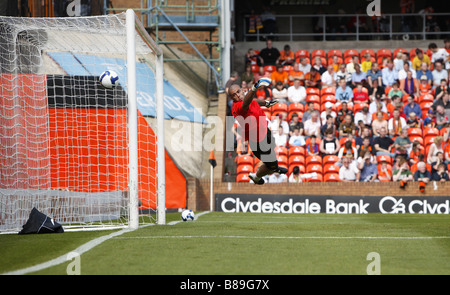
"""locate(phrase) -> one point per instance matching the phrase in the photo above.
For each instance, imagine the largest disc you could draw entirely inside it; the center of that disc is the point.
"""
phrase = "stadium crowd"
(369, 116)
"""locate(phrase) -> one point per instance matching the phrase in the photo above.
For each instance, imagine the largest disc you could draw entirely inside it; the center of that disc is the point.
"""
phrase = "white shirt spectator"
(296, 94)
(297, 140)
(349, 173)
(312, 128)
(438, 76)
(277, 178)
(402, 74)
(366, 118)
(280, 139)
(328, 79)
(391, 123)
(293, 179)
(304, 68)
(441, 54)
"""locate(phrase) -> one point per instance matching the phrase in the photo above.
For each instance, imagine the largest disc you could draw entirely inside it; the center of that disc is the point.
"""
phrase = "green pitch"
(244, 243)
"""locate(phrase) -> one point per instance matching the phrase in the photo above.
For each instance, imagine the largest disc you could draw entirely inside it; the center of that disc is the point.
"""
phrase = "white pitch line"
(277, 237)
(80, 250)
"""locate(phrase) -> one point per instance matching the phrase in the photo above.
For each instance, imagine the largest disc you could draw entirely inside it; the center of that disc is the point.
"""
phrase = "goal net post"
(76, 151)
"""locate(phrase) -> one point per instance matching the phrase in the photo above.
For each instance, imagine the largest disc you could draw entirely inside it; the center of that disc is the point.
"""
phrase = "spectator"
(296, 93)
(422, 175)
(312, 79)
(329, 144)
(261, 74)
(312, 126)
(424, 71)
(347, 127)
(312, 149)
(403, 72)
(424, 86)
(412, 107)
(278, 122)
(342, 74)
(403, 174)
(413, 121)
(295, 175)
(439, 93)
(348, 150)
(253, 58)
(335, 63)
(348, 172)
(281, 139)
(374, 74)
(296, 74)
(278, 178)
(430, 120)
(441, 117)
(367, 63)
(270, 54)
(343, 92)
(419, 59)
(396, 103)
(364, 116)
(439, 159)
(318, 65)
(396, 123)
(416, 150)
(395, 91)
(304, 66)
(383, 144)
(365, 133)
(287, 56)
(409, 85)
(295, 123)
(441, 174)
(297, 139)
(439, 55)
(280, 93)
(328, 78)
(384, 173)
(377, 99)
(248, 76)
(398, 61)
(366, 145)
(439, 73)
(328, 124)
(435, 148)
(308, 112)
(402, 144)
(351, 65)
(360, 94)
(279, 76)
(389, 75)
(344, 111)
(268, 20)
(327, 112)
(369, 171)
(358, 76)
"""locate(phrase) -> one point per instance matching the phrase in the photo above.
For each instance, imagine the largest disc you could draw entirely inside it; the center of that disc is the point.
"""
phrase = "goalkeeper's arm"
(251, 93)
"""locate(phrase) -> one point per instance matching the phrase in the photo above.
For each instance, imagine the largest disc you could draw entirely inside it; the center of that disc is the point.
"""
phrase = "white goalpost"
(80, 153)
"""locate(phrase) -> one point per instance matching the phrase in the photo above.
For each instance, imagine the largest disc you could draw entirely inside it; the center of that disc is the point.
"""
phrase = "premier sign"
(301, 204)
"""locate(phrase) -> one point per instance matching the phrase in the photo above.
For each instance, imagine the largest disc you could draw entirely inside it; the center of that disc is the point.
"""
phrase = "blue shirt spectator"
(389, 75)
(411, 106)
(374, 74)
(343, 92)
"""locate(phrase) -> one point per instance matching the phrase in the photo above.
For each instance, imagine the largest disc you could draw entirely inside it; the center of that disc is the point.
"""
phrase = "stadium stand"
(423, 127)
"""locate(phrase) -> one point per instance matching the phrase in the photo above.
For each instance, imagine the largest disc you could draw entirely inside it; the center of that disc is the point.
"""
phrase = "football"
(109, 79)
(187, 215)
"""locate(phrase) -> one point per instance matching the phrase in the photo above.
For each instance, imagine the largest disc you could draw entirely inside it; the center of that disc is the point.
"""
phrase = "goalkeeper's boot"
(280, 170)
(253, 176)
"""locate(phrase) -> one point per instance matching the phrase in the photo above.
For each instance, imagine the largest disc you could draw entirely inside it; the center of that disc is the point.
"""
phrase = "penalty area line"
(277, 237)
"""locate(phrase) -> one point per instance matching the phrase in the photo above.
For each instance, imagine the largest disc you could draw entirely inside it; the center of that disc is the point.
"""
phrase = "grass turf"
(245, 243)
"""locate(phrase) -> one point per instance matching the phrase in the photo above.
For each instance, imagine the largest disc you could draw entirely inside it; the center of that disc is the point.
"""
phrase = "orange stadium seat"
(270, 68)
(281, 150)
(443, 131)
(297, 150)
(255, 69)
(427, 142)
(328, 91)
(331, 168)
(328, 98)
(386, 158)
(296, 107)
(313, 160)
(337, 52)
(282, 160)
(426, 98)
(317, 178)
(312, 91)
(288, 68)
(383, 53)
(245, 168)
(415, 131)
(369, 51)
(296, 160)
(397, 50)
(350, 53)
(279, 108)
(331, 177)
(430, 132)
(314, 168)
(412, 53)
(330, 159)
(243, 177)
(313, 98)
(300, 115)
(302, 53)
(413, 138)
(244, 160)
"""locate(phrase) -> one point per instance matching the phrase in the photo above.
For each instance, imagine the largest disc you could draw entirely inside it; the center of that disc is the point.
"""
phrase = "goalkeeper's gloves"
(270, 103)
(261, 82)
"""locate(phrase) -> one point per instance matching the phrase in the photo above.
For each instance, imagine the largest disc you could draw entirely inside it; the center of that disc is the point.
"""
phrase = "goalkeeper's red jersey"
(253, 121)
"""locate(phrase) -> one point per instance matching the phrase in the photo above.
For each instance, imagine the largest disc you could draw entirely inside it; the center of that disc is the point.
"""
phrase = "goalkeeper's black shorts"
(265, 150)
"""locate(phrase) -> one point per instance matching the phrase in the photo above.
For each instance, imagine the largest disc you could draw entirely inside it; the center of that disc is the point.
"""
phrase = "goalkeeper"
(254, 124)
